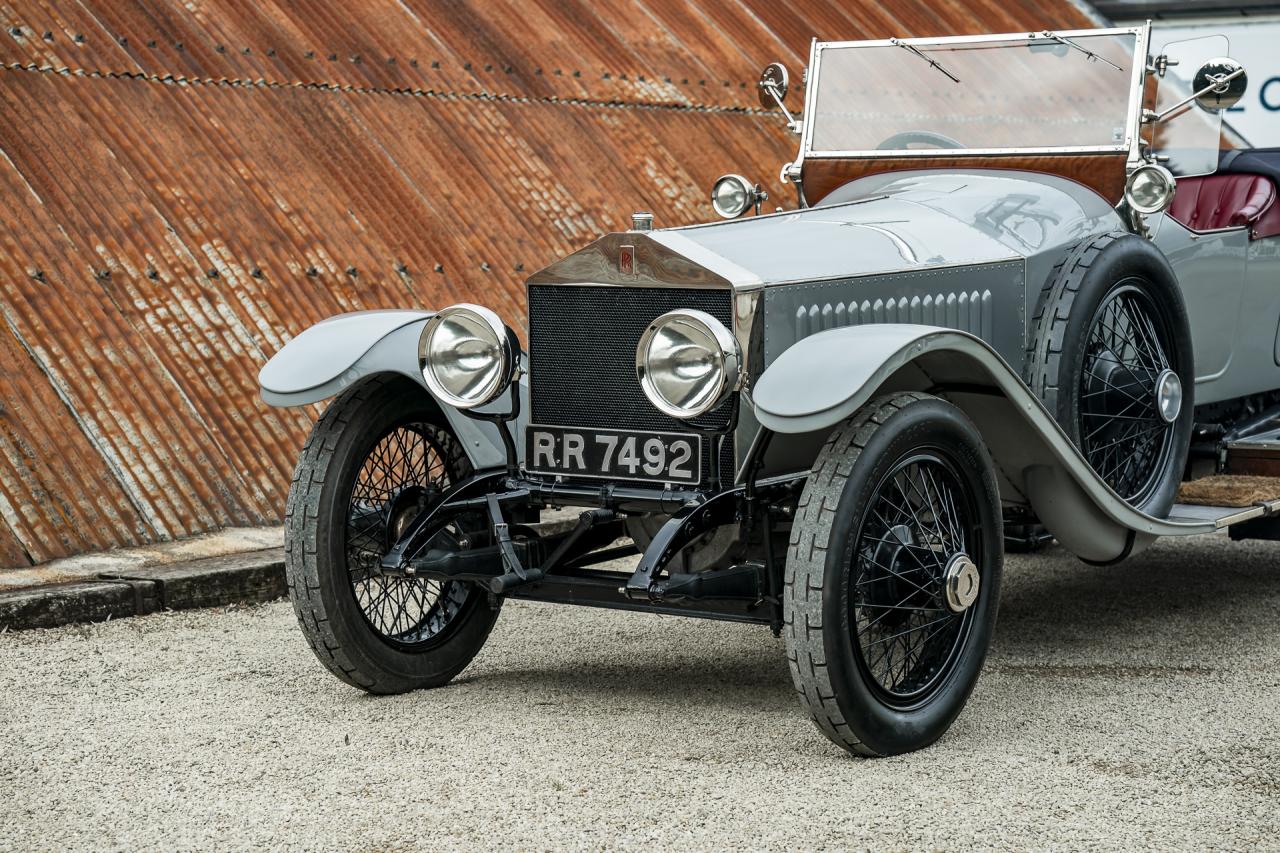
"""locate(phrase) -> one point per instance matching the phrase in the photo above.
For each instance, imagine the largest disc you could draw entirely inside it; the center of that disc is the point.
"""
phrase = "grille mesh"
(582, 357)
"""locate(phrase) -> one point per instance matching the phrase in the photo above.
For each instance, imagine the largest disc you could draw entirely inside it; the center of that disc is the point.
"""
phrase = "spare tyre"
(1110, 357)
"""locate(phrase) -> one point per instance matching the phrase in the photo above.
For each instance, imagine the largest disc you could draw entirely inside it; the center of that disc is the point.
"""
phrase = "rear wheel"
(377, 457)
(893, 575)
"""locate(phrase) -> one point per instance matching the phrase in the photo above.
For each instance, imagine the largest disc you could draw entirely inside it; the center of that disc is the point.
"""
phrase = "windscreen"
(1072, 92)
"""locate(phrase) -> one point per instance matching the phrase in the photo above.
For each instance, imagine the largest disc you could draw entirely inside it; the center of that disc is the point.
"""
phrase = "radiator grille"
(582, 355)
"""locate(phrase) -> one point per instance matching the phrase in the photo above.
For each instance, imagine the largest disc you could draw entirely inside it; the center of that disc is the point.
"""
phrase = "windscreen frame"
(1130, 146)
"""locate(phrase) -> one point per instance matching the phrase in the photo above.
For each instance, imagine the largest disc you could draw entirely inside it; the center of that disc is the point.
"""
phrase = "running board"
(1247, 504)
(1221, 516)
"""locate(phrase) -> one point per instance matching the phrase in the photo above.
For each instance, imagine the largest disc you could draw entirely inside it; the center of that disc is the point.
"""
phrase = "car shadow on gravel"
(1182, 591)
(746, 670)
(748, 680)
(1176, 594)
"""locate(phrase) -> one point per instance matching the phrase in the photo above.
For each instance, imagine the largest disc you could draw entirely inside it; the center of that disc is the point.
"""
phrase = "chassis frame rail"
(514, 560)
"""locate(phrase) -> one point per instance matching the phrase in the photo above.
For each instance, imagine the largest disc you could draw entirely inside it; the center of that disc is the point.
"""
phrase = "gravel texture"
(1126, 707)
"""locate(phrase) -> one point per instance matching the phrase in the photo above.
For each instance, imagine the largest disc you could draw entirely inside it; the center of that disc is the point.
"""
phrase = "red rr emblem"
(627, 260)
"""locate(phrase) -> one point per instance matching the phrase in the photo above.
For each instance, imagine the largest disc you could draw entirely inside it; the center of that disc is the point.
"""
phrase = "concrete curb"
(209, 582)
(246, 577)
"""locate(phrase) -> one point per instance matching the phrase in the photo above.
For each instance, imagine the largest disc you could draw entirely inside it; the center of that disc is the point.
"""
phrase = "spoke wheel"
(1122, 432)
(893, 575)
(906, 632)
(1110, 356)
(403, 473)
(380, 455)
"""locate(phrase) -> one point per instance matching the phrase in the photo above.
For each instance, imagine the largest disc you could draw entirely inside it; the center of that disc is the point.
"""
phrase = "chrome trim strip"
(810, 95)
(889, 153)
(590, 283)
(928, 40)
(984, 262)
(1244, 514)
(1138, 85)
(717, 223)
(1210, 231)
(1253, 443)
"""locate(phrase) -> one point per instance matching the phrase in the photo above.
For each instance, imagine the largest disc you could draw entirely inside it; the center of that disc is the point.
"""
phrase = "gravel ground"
(1124, 707)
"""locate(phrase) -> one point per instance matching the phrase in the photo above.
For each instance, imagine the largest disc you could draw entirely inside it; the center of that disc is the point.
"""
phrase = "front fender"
(337, 353)
(823, 379)
(320, 362)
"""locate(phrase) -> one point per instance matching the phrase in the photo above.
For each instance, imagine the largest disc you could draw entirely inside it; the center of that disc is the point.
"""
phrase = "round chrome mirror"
(775, 77)
(732, 195)
(1225, 80)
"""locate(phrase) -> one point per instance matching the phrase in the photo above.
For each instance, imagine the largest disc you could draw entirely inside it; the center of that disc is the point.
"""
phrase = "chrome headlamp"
(732, 195)
(467, 356)
(1150, 189)
(687, 363)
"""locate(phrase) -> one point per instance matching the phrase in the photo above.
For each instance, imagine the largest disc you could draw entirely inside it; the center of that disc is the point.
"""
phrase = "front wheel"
(377, 457)
(893, 575)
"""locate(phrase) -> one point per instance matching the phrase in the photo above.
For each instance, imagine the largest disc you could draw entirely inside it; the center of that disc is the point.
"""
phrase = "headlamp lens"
(466, 356)
(687, 362)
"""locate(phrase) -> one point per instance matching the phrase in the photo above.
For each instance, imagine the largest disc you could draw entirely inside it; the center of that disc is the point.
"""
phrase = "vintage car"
(1018, 293)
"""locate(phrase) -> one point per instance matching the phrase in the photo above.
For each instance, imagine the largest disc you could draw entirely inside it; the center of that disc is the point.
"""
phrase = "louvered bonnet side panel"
(986, 300)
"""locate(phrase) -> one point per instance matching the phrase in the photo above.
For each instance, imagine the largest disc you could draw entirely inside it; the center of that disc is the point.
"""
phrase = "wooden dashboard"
(1102, 173)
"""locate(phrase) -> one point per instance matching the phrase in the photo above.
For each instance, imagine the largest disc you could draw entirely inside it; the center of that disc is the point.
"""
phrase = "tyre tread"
(1069, 293)
(1053, 310)
(807, 563)
(302, 528)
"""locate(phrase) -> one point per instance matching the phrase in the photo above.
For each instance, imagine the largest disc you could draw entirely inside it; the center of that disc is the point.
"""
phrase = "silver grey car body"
(911, 249)
(908, 316)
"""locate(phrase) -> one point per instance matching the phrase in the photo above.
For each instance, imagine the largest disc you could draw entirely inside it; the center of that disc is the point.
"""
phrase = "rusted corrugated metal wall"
(189, 184)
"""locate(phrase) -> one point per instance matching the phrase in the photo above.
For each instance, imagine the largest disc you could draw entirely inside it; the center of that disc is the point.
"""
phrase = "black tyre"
(379, 453)
(893, 575)
(1110, 348)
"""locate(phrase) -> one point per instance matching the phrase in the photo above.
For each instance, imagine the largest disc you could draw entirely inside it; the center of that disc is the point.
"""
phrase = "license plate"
(661, 457)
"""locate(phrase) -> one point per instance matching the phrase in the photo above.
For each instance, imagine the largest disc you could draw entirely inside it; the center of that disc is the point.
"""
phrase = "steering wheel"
(927, 137)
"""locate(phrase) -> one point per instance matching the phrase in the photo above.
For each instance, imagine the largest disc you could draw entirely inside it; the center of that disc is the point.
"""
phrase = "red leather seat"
(1210, 202)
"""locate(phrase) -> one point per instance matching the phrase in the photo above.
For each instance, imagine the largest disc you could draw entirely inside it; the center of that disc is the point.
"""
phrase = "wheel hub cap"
(962, 582)
(1169, 396)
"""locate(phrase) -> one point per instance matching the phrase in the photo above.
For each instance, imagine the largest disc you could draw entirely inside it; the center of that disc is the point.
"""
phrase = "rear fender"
(343, 351)
(824, 378)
